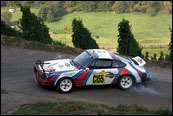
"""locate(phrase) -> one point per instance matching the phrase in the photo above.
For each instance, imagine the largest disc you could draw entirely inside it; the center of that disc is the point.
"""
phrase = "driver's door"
(102, 73)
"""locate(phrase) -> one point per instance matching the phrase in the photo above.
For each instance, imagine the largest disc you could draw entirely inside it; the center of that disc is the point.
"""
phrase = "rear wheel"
(125, 82)
(65, 85)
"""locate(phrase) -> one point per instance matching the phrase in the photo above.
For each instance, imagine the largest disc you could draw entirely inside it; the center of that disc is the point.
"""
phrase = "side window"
(92, 64)
(117, 64)
(99, 64)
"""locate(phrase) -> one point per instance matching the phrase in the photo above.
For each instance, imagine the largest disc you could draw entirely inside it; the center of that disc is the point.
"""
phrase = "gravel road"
(18, 86)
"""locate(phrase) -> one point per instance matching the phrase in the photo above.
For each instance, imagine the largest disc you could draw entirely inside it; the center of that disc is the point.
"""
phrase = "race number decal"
(98, 79)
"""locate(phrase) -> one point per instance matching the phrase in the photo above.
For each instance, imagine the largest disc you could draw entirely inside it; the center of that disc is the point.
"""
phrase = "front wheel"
(125, 82)
(65, 85)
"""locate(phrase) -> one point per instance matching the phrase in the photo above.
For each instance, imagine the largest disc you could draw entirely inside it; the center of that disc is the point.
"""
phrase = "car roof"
(103, 54)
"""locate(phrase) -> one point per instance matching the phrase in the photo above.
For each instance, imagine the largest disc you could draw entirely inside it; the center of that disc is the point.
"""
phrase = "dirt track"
(18, 86)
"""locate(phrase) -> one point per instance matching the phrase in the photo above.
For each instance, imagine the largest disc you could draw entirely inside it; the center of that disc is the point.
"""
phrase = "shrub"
(161, 58)
(7, 30)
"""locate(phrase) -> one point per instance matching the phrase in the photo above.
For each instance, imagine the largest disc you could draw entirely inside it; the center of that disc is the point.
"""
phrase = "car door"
(102, 73)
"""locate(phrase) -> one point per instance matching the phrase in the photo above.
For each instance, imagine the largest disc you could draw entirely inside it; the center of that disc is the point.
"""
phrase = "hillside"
(151, 32)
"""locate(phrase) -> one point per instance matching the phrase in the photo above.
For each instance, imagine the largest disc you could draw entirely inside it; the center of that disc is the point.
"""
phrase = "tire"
(125, 82)
(65, 85)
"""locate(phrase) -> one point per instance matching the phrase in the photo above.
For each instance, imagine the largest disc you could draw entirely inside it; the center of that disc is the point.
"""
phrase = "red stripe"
(93, 53)
(112, 55)
(51, 79)
(123, 72)
(78, 81)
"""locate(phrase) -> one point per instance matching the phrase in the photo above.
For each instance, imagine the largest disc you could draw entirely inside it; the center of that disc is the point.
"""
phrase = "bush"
(154, 56)
(7, 30)
(146, 55)
(58, 43)
(161, 58)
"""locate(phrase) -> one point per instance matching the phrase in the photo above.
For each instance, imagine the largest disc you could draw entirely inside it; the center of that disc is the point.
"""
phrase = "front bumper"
(40, 76)
(148, 77)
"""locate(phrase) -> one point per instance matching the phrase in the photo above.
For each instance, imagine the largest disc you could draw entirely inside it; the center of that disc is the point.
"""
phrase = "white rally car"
(91, 67)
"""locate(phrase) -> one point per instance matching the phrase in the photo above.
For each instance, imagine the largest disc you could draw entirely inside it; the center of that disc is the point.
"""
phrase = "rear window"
(117, 64)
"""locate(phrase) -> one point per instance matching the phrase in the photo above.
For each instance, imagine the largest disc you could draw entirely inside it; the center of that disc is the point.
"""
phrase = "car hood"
(59, 65)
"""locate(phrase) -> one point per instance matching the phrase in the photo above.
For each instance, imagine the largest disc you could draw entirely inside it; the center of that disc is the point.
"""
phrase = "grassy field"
(83, 108)
(147, 30)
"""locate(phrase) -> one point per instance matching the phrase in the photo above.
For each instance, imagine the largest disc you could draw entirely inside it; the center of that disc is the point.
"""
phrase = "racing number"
(98, 78)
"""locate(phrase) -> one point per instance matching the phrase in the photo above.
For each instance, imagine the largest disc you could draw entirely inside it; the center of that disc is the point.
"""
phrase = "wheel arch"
(63, 78)
(134, 79)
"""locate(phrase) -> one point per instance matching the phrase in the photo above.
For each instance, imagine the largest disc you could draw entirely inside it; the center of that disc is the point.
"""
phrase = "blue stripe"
(96, 54)
(130, 73)
(57, 77)
(86, 78)
(117, 58)
(119, 72)
(135, 68)
(113, 57)
(78, 74)
(90, 54)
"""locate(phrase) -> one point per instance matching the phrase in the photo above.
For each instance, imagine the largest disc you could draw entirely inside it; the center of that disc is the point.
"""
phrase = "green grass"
(147, 30)
(84, 108)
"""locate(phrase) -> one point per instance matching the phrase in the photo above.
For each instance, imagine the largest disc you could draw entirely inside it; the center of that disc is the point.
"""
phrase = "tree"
(42, 13)
(50, 16)
(154, 56)
(161, 58)
(33, 27)
(170, 46)
(6, 16)
(7, 30)
(81, 37)
(146, 55)
(120, 7)
(127, 45)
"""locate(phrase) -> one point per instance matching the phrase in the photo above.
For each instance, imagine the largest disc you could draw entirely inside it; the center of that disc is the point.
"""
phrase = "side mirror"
(87, 69)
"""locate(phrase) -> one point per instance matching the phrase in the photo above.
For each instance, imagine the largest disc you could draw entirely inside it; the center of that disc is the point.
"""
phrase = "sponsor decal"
(60, 66)
(67, 64)
(139, 60)
(111, 75)
(98, 78)
(103, 72)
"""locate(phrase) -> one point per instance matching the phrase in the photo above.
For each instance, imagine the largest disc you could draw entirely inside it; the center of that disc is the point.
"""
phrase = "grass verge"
(83, 108)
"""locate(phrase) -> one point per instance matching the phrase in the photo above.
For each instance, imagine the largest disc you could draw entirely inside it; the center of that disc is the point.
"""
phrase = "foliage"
(120, 7)
(166, 57)
(127, 45)
(170, 46)
(52, 12)
(154, 56)
(161, 58)
(6, 16)
(33, 28)
(84, 108)
(7, 30)
(58, 43)
(99, 6)
(81, 36)
(146, 55)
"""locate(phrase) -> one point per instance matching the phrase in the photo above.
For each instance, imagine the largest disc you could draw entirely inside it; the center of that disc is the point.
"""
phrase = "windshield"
(83, 59)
